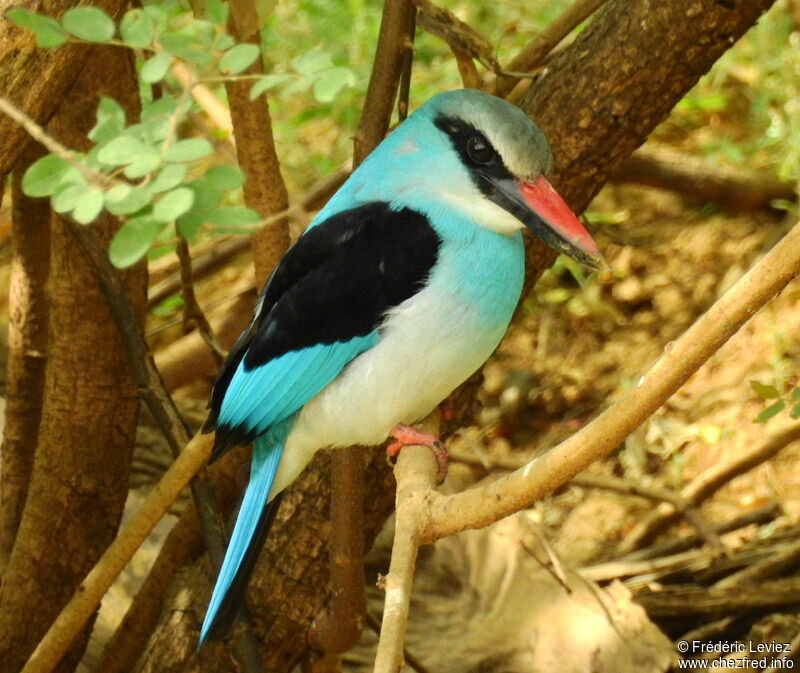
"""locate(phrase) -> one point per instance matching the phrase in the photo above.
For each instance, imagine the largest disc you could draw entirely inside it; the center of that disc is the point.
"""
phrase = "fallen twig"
(709, 482)
(730, 188)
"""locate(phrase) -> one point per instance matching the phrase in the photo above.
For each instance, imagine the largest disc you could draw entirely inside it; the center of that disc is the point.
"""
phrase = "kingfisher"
(399, 289)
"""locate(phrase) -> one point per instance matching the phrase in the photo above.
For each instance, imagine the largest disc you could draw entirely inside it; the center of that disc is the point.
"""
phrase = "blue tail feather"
(249, 531)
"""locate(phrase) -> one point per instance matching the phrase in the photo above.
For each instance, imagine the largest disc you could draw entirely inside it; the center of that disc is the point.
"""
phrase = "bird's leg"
(405, 435)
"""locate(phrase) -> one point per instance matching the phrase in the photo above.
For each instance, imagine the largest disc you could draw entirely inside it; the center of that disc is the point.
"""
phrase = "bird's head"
(487, 159)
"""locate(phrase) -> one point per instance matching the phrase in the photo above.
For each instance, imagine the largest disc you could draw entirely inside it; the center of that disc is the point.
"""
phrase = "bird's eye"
(479, 150)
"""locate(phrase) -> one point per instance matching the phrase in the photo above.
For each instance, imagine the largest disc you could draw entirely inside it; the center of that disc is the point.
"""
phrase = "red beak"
(571, 236)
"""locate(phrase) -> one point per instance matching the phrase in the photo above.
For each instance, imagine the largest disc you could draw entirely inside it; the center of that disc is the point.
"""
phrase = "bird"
(399, 289)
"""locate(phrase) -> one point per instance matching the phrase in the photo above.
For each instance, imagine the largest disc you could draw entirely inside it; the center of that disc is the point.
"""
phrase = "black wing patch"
(335, 283)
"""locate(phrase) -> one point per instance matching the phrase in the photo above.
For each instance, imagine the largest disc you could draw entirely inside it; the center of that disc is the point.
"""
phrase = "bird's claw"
(405, 435)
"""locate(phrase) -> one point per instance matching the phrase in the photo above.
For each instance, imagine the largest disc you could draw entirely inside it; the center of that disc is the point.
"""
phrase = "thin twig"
(62, 151)
(192, 313)
(68, 624)
(384, 78)
(415, 473)
(405, 74)
(532, 53)
(409, 658)
(218, 252)
(775, 564)
(466, 43)
(709, 482)
(611, 484)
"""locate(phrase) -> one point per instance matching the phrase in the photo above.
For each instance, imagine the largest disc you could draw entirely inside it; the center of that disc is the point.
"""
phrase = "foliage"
(769, 392)
(145, 173)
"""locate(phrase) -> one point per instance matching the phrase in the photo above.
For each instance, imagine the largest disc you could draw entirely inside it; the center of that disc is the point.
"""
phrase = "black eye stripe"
(464, 137)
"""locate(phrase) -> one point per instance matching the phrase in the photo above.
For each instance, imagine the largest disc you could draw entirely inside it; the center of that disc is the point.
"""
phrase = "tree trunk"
(599, 99)
(27, 349)
(35, 79)
(80, 472)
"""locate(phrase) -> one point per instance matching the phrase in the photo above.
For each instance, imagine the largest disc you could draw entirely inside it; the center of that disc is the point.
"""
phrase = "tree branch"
(730, 188)
(392, 45)
(534, 52)
(475, 508)
(91, 591)
(192, 313)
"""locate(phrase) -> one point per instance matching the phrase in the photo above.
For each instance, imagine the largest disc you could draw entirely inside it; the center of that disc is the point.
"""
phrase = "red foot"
(408, 436)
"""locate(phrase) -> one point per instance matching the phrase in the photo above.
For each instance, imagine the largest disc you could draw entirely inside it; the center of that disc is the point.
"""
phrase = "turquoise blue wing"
(260, 397)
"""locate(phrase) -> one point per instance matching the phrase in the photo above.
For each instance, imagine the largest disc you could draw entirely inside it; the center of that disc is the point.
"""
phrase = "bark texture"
(264, 189)
(27, 349)
(80, 472)
(36, 80)
(292, 571)
(597, 102)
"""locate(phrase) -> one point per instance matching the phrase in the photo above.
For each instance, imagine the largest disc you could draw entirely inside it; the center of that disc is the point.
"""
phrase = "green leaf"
(120, 151)
(796, 394)
(89, 207)
(155, 131)
(161, 107)
(144, 164)
(223, 41)
(49, 33)
(217, 11)
(764, 391)
(44, 175)
(110, 121)
(266, 83)
(189, 224)
(173, 204)
(88, 23)
(331, 82)
(170, 176)
(117, 193)
(770, 411)
(136, 28)
(224, 177)
(232, 216)
(301, 83)
(120, 201)
(188, 150)
(239, 58)
(68, 197)
(795, 412)
(312, 62)
(132, 241)
(206, 195)
(155, 68)
(186, 47)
